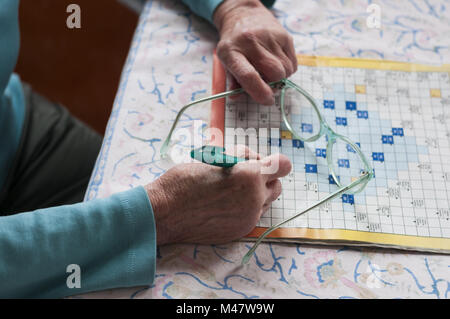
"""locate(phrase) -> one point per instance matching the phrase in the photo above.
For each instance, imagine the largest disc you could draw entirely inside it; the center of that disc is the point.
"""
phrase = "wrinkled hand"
(199, 203)
(254, 47)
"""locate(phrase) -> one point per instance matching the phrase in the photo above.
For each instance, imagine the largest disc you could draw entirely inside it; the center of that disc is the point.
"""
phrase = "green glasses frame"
(354, 187)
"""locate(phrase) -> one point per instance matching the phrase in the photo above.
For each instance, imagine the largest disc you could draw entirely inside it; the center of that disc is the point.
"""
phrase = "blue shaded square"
(341, 121)
(387, 139)
(348, 199)
(362, 114)
(343, 163)
(397, 131)
(298, 144)
(378, 156)
(328, 104)
(331, 179)
(307, 128)
(311, 168)
(321, 152)
(350, 149)
(350, 105)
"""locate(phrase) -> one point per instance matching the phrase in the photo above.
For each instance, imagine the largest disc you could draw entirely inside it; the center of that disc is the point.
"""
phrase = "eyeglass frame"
(325, 129)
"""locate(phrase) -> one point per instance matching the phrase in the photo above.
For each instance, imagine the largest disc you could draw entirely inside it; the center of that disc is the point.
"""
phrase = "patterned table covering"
(170, 63)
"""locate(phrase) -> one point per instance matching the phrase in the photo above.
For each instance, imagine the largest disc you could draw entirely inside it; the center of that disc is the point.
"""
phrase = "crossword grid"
(400, 121)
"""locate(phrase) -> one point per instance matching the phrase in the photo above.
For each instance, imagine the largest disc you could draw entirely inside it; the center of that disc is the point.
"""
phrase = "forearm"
(112, 241)
(207, 8)
(229, 7)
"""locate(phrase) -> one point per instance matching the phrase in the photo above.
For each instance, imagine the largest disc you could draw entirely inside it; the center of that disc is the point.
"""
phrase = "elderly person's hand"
(199, 203)
(254, 47)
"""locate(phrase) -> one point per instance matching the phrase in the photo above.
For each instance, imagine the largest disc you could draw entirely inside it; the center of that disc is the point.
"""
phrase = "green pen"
(215, 155)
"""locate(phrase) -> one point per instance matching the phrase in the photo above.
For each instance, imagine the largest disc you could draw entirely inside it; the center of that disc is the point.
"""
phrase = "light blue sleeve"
(112, 240)
(206, 8)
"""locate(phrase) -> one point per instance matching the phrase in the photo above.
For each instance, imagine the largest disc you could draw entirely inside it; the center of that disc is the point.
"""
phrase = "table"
(170, 63)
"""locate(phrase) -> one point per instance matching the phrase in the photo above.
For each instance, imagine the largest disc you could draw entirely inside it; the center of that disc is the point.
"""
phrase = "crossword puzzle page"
(399, 115)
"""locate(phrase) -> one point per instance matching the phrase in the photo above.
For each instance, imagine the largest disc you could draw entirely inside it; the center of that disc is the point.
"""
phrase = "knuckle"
(247, 76)
(224, 47)
(289, 37)
(234, 65)
(284, 37)
(248, 36)
(289, 69)
(276, 71)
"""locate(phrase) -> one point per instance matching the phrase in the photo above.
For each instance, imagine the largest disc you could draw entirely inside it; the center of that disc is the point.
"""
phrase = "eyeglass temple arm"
(184, 108)
(249, 254)
(164, 147)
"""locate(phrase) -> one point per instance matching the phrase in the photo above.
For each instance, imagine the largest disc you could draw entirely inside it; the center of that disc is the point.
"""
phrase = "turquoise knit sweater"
(111, 240)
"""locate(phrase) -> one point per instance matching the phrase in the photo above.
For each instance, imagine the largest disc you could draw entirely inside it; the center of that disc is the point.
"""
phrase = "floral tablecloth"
(170, 63)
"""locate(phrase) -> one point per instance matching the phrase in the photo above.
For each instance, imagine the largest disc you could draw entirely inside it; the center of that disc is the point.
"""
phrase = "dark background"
(79, 68)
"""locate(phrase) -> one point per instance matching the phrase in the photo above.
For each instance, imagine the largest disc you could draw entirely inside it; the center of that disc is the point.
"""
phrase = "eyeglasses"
(302, 121)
